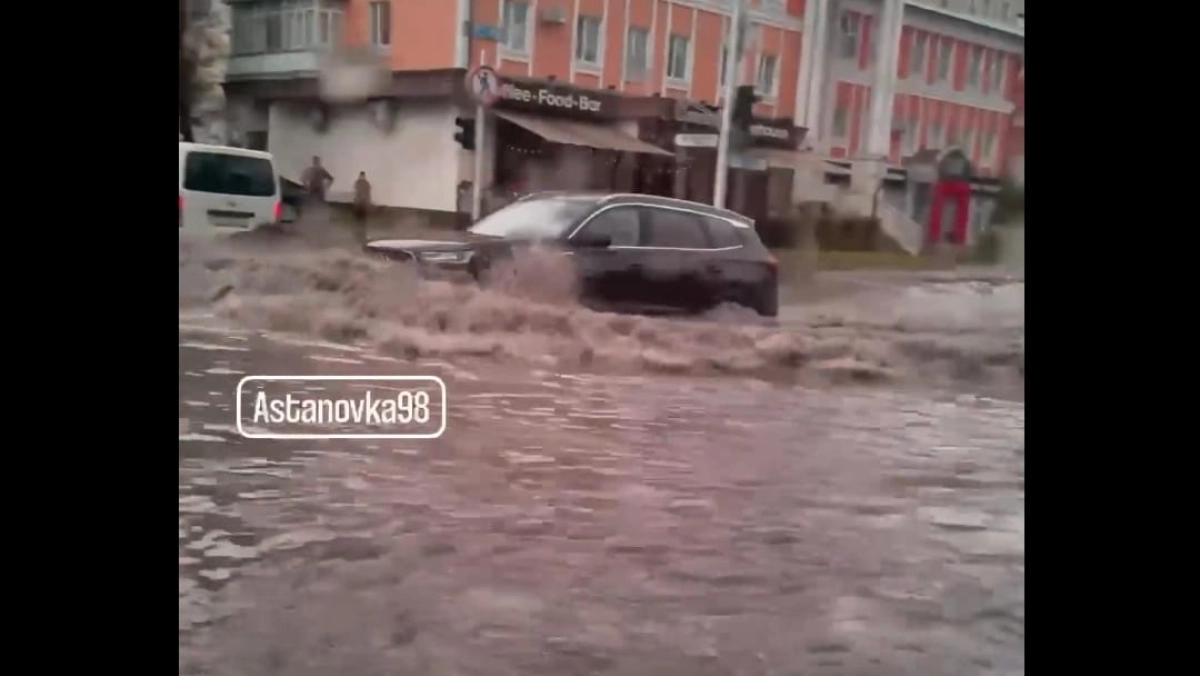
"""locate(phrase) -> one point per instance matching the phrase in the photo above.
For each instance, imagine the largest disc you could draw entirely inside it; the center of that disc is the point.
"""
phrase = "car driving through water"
(638, 253)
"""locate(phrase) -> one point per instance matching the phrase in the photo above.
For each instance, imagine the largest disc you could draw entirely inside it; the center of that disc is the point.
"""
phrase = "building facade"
(869, 80)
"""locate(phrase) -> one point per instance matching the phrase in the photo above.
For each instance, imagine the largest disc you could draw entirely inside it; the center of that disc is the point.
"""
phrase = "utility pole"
(480, 140)
(733, 60)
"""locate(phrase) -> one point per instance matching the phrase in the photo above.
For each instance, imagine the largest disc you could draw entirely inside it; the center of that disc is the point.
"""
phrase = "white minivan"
(227, 190)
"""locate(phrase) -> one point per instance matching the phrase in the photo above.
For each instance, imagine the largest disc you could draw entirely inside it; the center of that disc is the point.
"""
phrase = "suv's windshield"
(545, 218)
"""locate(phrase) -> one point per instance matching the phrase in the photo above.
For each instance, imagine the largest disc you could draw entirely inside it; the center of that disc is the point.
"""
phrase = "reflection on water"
(576, 523)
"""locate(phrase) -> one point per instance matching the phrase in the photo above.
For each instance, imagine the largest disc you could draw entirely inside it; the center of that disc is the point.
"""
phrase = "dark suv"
(633, 252)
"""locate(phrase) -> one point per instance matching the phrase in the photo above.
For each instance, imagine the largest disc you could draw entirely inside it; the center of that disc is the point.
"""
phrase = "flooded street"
(840, 492)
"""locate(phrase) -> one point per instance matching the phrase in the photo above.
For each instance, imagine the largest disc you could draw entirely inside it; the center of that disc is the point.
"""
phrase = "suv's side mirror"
(594, 241)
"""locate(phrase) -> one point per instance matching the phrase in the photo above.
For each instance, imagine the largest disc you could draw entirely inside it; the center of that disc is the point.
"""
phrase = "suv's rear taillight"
(278, 211)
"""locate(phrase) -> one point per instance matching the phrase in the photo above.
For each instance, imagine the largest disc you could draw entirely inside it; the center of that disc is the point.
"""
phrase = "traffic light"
(743, 106)
(466, 132)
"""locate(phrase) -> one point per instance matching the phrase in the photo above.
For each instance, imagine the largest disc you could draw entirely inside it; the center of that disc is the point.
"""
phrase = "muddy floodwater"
(837, 492)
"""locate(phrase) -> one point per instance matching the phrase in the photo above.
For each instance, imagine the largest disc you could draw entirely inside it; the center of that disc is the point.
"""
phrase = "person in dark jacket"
(362, 205)
(316, 180)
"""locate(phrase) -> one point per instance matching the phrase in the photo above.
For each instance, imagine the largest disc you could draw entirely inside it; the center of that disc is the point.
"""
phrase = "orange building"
(859, 80)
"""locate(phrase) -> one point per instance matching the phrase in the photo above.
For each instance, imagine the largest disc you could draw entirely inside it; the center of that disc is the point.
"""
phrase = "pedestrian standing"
(362, 206)
(317, 180)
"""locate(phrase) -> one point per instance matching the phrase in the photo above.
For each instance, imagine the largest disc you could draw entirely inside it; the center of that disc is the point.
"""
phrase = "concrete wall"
(416, 165)
(1011, 240)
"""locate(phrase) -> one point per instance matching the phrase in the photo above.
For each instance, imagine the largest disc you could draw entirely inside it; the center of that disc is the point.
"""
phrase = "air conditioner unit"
(555, 15)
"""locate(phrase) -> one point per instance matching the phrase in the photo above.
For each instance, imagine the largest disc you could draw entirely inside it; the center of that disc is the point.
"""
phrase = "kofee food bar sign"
(540, 96)
(553, 99)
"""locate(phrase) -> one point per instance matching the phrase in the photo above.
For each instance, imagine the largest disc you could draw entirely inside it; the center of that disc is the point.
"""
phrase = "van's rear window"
(228, 174)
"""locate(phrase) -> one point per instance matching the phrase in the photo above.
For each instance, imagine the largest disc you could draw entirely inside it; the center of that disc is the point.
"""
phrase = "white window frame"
(672, 52)
(839, 122)
(946, 73)
(912, 134)
(987, 148)
(582, 23)
(509, 32)
(633, 70)
(917, 67)
(937, 135)
(375, 28)
(975, 67)
(770, 88)
(999, 64)
(849, 33)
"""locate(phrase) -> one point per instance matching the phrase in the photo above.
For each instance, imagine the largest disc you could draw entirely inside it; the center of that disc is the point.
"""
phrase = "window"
(947, 49)
(998, 64)
(587, 40)
(841, 121)
(228, 174)
(670, 229)
(987, 7)
(620, 225)
(678, 57)
(916, 66)
(936, 139)
(199, 9)
(768, 72)
(274, 31)
(290, 26)
(514, 34)
(535, 219)
(975, 67)
(1005, 11)
(989, 147)
(722, 234)
(637, 54)
(381, 24)
(911, 135)
(848, 36)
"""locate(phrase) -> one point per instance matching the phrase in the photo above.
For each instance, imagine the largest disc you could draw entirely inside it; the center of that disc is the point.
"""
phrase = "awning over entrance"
(568, 132)
(784, 159)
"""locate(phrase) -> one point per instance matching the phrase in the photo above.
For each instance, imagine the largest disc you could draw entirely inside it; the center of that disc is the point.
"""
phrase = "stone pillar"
(816, 42)
(883, 87)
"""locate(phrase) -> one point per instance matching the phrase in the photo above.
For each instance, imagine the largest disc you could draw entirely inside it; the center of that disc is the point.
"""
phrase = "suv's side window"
(619, 224)
(671, 229)
(724, 235)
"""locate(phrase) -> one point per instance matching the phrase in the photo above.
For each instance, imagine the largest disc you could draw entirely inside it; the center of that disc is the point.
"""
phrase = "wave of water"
(932, 332)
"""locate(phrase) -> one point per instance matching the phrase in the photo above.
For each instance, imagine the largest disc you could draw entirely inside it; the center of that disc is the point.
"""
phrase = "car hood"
(411, 245)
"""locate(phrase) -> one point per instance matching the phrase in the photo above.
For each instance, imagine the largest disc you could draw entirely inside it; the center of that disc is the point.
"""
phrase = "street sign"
(696, 140)
(484, 85)
(485, 32)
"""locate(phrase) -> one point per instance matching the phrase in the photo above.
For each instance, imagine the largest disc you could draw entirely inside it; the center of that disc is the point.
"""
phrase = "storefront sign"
(774, 134)
(555, 99)
(696, 140)
(763, 131)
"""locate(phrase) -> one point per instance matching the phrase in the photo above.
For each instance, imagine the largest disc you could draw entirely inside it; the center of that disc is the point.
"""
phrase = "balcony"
(283, 38)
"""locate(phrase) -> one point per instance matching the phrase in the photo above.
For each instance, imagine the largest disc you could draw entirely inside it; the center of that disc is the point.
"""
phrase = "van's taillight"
(278, 211)
(772, 261)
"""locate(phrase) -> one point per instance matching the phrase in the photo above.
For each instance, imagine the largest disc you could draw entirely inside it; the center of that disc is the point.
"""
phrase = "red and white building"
(877, 84)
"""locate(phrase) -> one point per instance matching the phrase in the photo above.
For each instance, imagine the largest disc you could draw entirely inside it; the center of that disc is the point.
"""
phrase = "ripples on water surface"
(581, 523)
